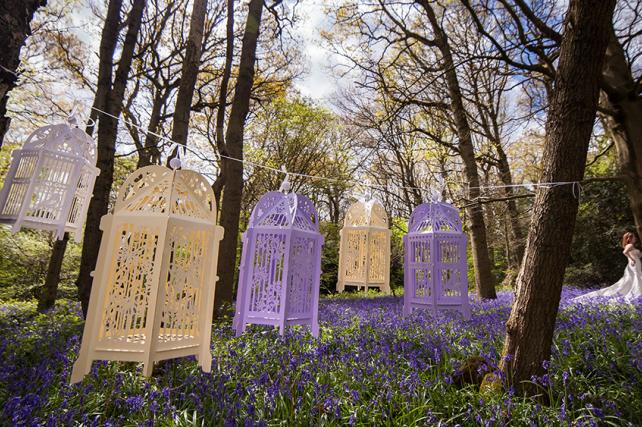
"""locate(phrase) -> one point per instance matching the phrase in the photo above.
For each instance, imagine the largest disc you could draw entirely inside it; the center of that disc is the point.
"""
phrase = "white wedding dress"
(629, 287)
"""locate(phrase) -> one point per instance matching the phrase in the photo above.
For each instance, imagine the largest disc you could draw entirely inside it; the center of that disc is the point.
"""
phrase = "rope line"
(576, 185)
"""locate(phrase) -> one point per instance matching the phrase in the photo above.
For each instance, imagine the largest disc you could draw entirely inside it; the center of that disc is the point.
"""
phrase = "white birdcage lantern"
(50, 181)
(364, 254)
(153, 292)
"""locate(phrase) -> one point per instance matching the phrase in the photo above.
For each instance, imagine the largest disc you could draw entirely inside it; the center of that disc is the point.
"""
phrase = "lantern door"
(266, 276)
(303, 279)
(128, 270)
(80, 202)
(187, 286)
(450, 269)
(355, 252)
(18, 183)
(419, 273)
(53, 190)
(379, 256)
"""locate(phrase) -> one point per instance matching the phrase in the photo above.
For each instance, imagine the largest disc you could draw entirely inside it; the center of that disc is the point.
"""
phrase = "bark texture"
(487, 100)
(483, 275)
(515, 233)
(109, 98)
(49, 291)
(189, 73)
(515, 248)
(233, 170)
(150, 154)
(15, 27)
(624, 125)
(568, 129)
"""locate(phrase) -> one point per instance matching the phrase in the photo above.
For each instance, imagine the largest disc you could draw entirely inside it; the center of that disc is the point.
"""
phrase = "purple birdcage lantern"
(280, 264)
(435, 266)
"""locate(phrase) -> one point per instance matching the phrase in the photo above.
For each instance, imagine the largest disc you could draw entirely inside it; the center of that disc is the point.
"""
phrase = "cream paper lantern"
(50, 181)
(153, 292)
(364, 254)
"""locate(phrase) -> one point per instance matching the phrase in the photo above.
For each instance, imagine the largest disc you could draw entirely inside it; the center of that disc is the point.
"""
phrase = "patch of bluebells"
(370, 366)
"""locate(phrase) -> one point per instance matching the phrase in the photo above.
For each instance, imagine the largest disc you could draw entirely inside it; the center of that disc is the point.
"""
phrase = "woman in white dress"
(629, 287)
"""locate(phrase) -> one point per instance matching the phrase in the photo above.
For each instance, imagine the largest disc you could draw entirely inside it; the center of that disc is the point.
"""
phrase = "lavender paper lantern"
(435, 267)
(280, 264)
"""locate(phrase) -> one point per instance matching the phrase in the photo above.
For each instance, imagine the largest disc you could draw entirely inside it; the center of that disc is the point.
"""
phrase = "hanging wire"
(576, 186)
(172, 143)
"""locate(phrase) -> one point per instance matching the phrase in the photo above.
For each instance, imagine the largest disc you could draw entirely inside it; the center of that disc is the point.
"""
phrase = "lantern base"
(463, 309)
(131, 348)
(383, 287)
(55, 228)
(306, 320)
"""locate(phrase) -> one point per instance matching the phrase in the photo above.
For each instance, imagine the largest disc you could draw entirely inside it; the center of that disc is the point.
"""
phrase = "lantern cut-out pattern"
(50, 181)
(153, 292)
(364, 255)
(435, 266)
(280, 269)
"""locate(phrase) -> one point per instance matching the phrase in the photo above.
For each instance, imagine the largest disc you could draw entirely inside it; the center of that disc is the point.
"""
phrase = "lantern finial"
(367, 190)
(175, 162)
(437, 194)
(72, 119)
(285, 185)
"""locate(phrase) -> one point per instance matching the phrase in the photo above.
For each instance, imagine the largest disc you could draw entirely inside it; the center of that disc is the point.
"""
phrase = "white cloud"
(319, 82)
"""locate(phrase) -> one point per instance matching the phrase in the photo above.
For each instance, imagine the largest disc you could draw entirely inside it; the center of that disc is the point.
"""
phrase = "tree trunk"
(222, 98)
(515, 233)
(49, 292)
(233, 170)
(15, 27)
(107, 47)
(624, 126)
(150, 153)
(110, 98)
(483, 275)
(529, 331)
(189, 73)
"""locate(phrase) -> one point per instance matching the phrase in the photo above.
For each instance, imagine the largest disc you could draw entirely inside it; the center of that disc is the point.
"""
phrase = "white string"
(576, 185)
(528, 185)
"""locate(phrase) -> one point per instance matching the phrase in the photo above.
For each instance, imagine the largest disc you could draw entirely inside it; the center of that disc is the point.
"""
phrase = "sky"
(318, 83)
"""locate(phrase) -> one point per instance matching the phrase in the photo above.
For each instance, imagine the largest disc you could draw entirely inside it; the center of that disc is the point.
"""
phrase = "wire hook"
(285, 185)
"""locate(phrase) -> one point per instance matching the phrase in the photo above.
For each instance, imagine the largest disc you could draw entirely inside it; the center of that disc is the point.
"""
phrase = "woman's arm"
(628, 252)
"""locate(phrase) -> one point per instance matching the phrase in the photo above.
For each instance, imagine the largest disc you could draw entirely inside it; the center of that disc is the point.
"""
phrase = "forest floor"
(370, 366)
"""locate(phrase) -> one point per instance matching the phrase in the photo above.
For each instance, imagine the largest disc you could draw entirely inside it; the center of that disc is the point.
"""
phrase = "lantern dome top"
(370, 213)
(435, 217)
(63, 138)
(160, 190)
(285, 210)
